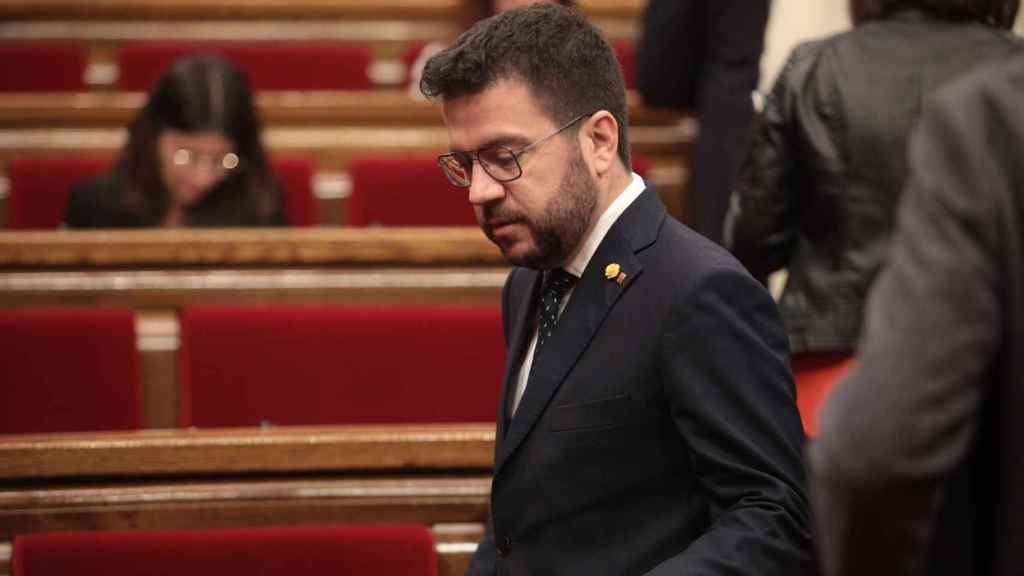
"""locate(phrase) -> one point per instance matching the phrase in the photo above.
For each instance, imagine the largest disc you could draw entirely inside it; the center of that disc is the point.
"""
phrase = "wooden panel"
(327, 108)
(245, 503)
(157, 333)
(331, 148)
(233, 247)
(261, 9)
(173, 289)
(244, 9)
(154, 453)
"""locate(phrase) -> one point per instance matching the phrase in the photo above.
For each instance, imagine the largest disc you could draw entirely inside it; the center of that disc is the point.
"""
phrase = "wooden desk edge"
(219, 247)
(247, 450)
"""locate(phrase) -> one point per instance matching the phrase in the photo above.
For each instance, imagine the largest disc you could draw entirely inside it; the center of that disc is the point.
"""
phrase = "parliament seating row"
(434, 476)
(77, 369)
(34, 66)
(329, 129)
(386, 191)
(38, 188)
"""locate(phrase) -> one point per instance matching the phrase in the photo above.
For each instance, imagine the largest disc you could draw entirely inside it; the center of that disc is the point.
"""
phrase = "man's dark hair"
(565, 62)
(995, 13)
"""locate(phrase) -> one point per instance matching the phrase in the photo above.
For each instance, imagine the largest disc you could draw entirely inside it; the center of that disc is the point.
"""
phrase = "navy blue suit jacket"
(659, 433)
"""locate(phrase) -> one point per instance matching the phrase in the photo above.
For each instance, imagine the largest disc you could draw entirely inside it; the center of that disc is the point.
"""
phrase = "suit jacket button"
(505, 548)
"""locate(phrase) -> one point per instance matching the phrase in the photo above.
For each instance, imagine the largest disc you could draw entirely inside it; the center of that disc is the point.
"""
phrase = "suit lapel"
(519, 338)
(592, 299)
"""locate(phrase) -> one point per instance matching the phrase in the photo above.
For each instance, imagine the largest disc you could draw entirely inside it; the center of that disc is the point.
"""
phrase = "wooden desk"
(438, 475)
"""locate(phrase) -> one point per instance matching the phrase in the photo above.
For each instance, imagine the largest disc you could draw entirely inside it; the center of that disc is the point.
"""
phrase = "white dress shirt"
(576, 265)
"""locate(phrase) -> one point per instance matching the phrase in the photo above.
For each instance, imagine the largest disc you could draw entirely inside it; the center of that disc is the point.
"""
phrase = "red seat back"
(626, 53)
(310, 551)
(318, 365)
(40, 186)
(296, 175)
(39, 66)
(815, 374)
(68, 370)
(405, 191)
(269, 65)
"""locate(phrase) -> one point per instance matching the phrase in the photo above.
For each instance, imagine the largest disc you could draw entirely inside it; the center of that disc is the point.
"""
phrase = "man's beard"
(559, 229)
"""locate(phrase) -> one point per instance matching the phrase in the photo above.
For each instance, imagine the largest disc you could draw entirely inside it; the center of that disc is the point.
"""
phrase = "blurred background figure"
(705, 57)
(473, 12)
(193, 158)
(922, 443)
(818, 189)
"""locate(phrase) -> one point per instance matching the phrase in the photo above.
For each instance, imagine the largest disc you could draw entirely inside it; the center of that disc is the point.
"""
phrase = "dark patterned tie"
(556, 284)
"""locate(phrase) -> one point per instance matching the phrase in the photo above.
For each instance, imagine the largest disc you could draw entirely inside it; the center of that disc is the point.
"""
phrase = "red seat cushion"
(68, 370)
(40, 186)
(626, 53)
(310, 551)
(41, 66)
(815, 374)
(405, 191)
(296, 175)
(313, 365)
(269, 65)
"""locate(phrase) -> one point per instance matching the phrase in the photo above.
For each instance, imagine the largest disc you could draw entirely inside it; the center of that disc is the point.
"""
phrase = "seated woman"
(193, 158)
(818, 190)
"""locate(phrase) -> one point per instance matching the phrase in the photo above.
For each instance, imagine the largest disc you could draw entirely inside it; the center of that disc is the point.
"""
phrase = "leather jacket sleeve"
(763, 222)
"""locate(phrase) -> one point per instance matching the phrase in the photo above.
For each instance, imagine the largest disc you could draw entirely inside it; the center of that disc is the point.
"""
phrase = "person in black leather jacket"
(818, 189)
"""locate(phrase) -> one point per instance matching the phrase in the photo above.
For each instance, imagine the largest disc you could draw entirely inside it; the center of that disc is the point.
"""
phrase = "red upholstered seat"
(314, 365)
(68, 370)
(286, 551)
(405, 191)
(641, 164)
(296, 175)
(39, 188)
(41, 66)
(626, 53)
(269, 65)
(815, 374)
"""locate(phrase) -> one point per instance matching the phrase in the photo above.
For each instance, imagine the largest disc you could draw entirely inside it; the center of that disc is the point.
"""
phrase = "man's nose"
(483, 188)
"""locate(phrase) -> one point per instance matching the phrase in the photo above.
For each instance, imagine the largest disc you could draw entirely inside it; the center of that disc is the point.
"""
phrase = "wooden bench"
(437, 475)
(156, 272)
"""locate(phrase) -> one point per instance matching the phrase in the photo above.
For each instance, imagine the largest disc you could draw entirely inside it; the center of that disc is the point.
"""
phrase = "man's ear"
(601, 135)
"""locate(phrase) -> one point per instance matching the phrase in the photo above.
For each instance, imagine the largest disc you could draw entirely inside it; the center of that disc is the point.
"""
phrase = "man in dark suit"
(647, 422)
(922, 444)
(705, 57)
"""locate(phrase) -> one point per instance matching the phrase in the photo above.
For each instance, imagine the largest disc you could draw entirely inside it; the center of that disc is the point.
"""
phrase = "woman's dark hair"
(200, 93)
(995, 13)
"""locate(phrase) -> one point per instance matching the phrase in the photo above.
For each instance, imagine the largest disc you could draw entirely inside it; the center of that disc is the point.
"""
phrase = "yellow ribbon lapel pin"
(614, 272)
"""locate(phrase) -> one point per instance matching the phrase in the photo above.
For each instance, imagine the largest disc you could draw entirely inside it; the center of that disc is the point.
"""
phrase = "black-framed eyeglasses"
(500, 162)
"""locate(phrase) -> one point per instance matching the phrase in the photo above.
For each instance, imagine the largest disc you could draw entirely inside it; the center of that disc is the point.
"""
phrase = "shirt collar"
(578, 262)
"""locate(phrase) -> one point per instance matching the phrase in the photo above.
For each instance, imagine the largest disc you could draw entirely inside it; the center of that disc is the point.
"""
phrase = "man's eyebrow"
(504, 140)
